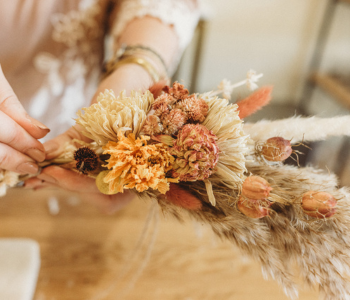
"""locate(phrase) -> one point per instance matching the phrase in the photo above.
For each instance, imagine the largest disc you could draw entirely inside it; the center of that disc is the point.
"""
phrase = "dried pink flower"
(163, 104)
(196, 153)
(195, 109)
(152, 125)
(173, 121)
(178, 91)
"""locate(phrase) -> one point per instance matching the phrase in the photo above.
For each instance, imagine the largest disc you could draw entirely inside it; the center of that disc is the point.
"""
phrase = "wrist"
(126, 77)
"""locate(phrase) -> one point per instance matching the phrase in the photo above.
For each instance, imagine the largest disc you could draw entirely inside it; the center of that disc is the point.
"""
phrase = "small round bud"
(319, 204)
(255, 209)
(276, 149)
(256, 187)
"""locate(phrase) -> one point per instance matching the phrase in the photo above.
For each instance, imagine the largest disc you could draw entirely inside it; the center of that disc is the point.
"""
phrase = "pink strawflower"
(163, 104)
(152, 125)
(196, 153)
(195, 109)
(178, 91)
(173, 121)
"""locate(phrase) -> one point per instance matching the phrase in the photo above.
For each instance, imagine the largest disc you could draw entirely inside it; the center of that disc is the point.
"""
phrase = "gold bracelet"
(112, 66)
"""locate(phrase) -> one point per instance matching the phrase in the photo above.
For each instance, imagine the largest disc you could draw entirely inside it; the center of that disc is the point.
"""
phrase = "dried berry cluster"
(173, 109)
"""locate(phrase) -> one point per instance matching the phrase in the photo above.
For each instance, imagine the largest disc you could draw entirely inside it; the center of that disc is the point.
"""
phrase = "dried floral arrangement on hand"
(193, 155)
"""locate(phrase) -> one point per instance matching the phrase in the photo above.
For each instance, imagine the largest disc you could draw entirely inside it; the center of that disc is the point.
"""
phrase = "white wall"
(275, 37)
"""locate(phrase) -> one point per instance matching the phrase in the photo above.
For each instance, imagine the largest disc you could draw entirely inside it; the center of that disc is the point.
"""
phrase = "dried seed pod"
(255, 209)
(276, 149)
(256, 187)
(86, 160)
(319, 204)
(182, 198)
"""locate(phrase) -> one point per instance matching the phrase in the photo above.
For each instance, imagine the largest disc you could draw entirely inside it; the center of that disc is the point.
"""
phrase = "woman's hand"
(19, 148)
(128, 77)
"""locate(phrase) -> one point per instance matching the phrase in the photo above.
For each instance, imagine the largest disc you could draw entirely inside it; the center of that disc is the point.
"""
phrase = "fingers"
(58, 177)
(55, 146)
(10, 105)
(13, 160)
(68, 180)
(16, 137)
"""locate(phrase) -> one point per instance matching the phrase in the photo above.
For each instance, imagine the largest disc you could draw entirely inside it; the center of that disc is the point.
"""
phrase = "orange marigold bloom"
(134, 164)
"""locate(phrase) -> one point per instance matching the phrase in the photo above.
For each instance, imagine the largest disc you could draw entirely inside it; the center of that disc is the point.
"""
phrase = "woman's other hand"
(128, 77)
(19, 148)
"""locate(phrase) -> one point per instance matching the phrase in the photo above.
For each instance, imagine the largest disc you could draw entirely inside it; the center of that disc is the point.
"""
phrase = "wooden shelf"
(334, 87)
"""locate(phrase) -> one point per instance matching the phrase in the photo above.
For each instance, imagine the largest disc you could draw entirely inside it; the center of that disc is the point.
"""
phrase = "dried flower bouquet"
(193, 155)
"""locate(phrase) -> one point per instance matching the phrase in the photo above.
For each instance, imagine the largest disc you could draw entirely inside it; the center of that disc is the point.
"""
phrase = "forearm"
(149, 32)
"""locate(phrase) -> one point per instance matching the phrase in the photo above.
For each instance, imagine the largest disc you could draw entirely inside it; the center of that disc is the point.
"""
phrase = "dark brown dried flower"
(152, 125)
(87, 160)
(173, 121)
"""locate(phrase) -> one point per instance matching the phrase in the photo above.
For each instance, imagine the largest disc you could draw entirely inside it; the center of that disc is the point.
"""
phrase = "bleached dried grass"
(299, 129)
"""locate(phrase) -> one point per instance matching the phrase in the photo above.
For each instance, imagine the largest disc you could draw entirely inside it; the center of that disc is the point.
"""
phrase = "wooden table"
(84, 251)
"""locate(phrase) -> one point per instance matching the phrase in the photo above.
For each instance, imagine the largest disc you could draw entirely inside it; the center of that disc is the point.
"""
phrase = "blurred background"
(302, 47)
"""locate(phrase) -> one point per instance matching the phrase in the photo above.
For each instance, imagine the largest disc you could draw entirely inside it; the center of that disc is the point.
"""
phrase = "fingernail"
(28, 168)
(47, 178)
(38, 124)
(36, 154)
(50, 147)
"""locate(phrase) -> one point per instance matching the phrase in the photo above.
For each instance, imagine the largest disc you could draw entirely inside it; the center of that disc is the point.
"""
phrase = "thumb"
(56, 146)
(10, 105)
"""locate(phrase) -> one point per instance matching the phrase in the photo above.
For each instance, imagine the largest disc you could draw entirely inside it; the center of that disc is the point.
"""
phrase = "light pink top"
(51, 50)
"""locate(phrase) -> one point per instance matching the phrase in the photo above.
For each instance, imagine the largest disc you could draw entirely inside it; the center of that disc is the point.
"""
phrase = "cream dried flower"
(102, 120)
(225, 88)
(7, 179)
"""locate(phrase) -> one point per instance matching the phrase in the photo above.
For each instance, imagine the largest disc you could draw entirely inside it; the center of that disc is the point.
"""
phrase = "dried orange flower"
(134, 164)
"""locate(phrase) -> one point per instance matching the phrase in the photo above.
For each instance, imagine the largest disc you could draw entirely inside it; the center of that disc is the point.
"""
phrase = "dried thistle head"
(86, 160)
(319, 205)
